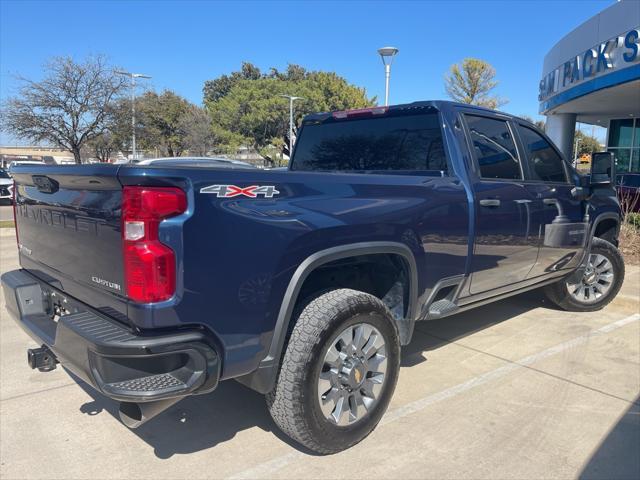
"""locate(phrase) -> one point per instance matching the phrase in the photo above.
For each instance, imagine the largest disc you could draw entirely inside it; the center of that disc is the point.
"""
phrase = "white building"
(592, 76)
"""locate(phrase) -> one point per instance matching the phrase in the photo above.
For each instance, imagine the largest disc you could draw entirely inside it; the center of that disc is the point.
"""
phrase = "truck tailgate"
(68, 221)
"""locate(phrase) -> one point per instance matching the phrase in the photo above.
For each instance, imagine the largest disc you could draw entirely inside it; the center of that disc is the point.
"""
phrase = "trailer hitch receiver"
(41, 358)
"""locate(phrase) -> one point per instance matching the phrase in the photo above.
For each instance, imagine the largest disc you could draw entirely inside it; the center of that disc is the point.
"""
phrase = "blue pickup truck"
(151, 283)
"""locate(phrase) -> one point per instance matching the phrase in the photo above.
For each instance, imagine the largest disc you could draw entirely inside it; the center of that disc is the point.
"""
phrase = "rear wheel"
(338, 373)
(596, 286)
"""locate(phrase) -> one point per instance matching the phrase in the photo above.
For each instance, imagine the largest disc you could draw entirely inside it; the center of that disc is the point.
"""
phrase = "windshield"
(4, 174)
(400, 143)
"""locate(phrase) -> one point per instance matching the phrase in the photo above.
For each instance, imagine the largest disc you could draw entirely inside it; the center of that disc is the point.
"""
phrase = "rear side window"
(494, 148)
(388, 143)
(544, 162)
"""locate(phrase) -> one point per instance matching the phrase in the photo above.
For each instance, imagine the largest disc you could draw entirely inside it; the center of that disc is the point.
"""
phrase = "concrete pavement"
(510, 390)
(6, 211)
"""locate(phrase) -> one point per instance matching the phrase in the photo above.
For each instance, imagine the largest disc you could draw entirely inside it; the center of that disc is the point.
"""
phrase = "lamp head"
(387, 54)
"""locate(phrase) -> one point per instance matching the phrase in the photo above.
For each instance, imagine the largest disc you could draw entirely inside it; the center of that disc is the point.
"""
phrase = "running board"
(443, 299)
(445, 307)
(441, 308)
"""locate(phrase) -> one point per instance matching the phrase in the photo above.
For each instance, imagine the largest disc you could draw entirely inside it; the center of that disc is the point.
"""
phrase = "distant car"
(194, 162)
(628, 186)
(26, 162)
(6, 186)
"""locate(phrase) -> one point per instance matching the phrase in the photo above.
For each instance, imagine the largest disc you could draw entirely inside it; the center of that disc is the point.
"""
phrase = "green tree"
(586, 144)
(538, 123)
(102, 146)
(217, 88)
(473, 82)
(253, 109)
(202, 137)
(69, 107)
(162, 122)
(198, 131)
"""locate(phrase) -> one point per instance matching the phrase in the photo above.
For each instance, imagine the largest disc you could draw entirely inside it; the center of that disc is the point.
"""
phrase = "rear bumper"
(121, 364)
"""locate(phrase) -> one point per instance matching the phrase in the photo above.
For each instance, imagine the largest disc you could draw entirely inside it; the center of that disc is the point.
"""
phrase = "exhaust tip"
(134, 414)
(131, 414)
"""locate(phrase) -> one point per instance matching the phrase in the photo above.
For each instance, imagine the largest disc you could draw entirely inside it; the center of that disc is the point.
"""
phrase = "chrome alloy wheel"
(596, 281)
(353, 374)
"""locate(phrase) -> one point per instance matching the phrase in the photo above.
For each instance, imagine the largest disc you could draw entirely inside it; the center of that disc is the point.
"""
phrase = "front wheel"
(594, 288)
(338, 373)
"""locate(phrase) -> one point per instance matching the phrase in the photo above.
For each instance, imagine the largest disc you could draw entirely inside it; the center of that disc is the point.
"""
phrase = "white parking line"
(267, 469)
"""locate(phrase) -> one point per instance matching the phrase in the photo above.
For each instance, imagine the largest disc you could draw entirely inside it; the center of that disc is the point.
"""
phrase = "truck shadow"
(433, 334)
(203, 421)
(617, 455)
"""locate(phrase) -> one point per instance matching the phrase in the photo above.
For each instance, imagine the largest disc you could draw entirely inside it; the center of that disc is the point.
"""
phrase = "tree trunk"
(76, 155)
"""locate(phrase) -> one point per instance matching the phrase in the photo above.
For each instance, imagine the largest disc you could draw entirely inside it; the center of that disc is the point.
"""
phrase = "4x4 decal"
(252, 191)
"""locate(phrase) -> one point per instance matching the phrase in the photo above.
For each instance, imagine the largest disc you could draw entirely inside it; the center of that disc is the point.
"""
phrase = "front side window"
(400, 143)
(494, 148)
(544, 162)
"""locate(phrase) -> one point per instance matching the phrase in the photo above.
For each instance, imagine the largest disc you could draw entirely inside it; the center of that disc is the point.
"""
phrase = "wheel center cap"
(357, 375)
(590, 277)
(353, 374)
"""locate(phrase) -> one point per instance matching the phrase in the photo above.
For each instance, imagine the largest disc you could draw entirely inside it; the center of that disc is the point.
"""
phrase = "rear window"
(400, 143)
(494, 148)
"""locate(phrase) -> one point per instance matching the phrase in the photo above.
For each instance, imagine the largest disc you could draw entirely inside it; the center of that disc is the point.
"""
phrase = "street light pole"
(387, 77)
(133, 77)
(387, 54)
(291, 100)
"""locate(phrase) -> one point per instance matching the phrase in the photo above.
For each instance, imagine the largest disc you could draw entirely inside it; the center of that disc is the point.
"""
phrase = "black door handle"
(490, 202)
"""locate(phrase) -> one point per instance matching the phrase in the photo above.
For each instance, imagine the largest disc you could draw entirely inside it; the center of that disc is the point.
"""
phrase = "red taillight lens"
(149, 265)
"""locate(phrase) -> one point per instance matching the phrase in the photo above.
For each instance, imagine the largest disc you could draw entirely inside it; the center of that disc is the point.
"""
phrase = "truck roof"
(421, 104)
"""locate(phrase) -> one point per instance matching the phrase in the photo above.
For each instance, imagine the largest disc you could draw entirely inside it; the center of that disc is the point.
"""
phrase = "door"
(557, 215)
(506, 245)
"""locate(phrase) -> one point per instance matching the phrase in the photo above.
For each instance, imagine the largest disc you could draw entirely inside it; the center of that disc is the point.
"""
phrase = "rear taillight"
(149, 265)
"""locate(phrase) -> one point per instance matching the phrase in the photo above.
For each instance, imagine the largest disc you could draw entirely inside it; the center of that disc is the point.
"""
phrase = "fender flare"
(599, 219)
(263, 379)
(592, 231)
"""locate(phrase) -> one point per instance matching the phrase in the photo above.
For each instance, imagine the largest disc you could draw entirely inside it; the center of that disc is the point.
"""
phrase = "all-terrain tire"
(560, 295)
(294, 403)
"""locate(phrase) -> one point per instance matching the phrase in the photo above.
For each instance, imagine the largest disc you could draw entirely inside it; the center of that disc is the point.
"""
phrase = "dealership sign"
(614, 54)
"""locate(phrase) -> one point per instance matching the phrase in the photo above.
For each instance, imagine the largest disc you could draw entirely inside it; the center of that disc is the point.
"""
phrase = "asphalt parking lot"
(512, 390)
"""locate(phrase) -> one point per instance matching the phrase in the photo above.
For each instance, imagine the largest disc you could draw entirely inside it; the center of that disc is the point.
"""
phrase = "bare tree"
(69, 107)
(199, 134)
(472, 82)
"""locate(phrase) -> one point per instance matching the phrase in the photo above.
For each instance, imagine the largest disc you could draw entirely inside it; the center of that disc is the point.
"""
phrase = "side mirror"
(603, 168)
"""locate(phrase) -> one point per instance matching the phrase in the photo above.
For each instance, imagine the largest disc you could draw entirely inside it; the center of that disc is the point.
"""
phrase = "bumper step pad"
(153, 383)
